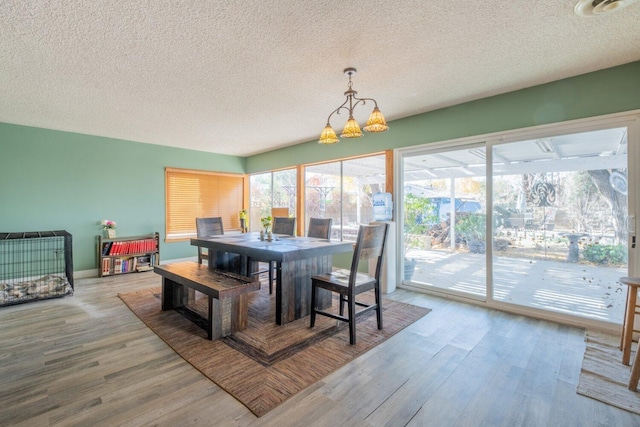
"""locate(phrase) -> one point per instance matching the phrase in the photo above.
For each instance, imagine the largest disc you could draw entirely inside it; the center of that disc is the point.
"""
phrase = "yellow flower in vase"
(266, 223)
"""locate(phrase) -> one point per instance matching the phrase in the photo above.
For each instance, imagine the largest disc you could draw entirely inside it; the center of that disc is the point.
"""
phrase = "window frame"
(254, 222)
(342, 193)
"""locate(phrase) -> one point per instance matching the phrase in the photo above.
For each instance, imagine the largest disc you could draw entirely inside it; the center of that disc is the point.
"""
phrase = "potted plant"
(472, 228)
(418, 217)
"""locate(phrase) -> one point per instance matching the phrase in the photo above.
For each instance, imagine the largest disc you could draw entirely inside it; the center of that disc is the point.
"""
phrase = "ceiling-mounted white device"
(599, 7)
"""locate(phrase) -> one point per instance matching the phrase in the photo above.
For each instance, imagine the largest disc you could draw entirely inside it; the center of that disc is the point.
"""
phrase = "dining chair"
(282, 226)
(320, 228)
(206, 227)
(349, 283)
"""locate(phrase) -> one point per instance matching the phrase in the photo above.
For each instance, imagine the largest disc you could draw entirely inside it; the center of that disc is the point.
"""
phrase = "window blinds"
(194, 194)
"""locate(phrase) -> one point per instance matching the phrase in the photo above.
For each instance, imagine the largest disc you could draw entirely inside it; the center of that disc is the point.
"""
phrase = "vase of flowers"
(109, 227)
(266, 224)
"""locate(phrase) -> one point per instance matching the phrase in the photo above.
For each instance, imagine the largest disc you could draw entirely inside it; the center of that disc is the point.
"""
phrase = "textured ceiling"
(250, 76)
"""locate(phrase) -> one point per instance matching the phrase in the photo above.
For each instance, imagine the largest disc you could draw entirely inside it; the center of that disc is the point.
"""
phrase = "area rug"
(603, 376)
(267, 364)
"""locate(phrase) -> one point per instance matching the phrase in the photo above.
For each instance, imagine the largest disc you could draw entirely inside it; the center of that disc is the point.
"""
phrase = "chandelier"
(376, 122)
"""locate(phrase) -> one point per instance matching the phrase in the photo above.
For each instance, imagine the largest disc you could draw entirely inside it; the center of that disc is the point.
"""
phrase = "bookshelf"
(122, 255)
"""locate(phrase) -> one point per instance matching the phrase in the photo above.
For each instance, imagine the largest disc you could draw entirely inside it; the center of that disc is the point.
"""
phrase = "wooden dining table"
(296, 260)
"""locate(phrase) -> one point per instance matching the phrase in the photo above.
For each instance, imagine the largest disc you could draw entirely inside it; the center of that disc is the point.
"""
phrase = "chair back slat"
(370, 244)
(320, 228)
(206, 227)
(284, 225)
(209, 227)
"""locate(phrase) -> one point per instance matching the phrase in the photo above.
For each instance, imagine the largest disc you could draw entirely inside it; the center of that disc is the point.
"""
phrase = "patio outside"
(583, 290)
(558, 213)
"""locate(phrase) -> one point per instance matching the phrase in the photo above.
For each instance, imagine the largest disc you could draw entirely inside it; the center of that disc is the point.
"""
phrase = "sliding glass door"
(540, 222)
(444, 220)
(560, 209)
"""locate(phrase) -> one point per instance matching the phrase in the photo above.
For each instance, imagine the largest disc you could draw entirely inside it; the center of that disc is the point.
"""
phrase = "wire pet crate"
(34, 266)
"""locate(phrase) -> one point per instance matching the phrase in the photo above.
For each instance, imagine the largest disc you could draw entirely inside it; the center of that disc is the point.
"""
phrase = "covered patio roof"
(602, 149)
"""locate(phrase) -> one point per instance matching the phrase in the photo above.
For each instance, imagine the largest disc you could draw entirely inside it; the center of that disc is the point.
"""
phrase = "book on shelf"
(129, 247)
(106, 266)
(145, 262)
(106, 247)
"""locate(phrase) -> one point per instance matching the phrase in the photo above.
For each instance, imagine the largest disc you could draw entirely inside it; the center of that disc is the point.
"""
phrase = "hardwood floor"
(86, 360)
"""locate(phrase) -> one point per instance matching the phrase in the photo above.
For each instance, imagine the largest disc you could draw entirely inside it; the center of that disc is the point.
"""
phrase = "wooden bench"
(227, 294)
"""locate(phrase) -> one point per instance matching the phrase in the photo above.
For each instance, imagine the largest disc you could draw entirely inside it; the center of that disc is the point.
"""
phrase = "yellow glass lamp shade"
(351, 129)
(328, 136)
(376, 122)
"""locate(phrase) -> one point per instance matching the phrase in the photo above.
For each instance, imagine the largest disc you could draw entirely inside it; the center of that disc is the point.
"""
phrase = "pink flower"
(107, 223)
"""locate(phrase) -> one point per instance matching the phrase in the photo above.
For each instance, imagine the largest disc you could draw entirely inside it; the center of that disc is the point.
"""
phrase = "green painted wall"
(51, 180)
(603, 92)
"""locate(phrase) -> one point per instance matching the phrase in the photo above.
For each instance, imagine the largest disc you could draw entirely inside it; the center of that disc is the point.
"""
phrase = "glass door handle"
(631, 224)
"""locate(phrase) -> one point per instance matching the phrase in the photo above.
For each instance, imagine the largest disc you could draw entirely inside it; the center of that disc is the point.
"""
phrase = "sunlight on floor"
(582, 290)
